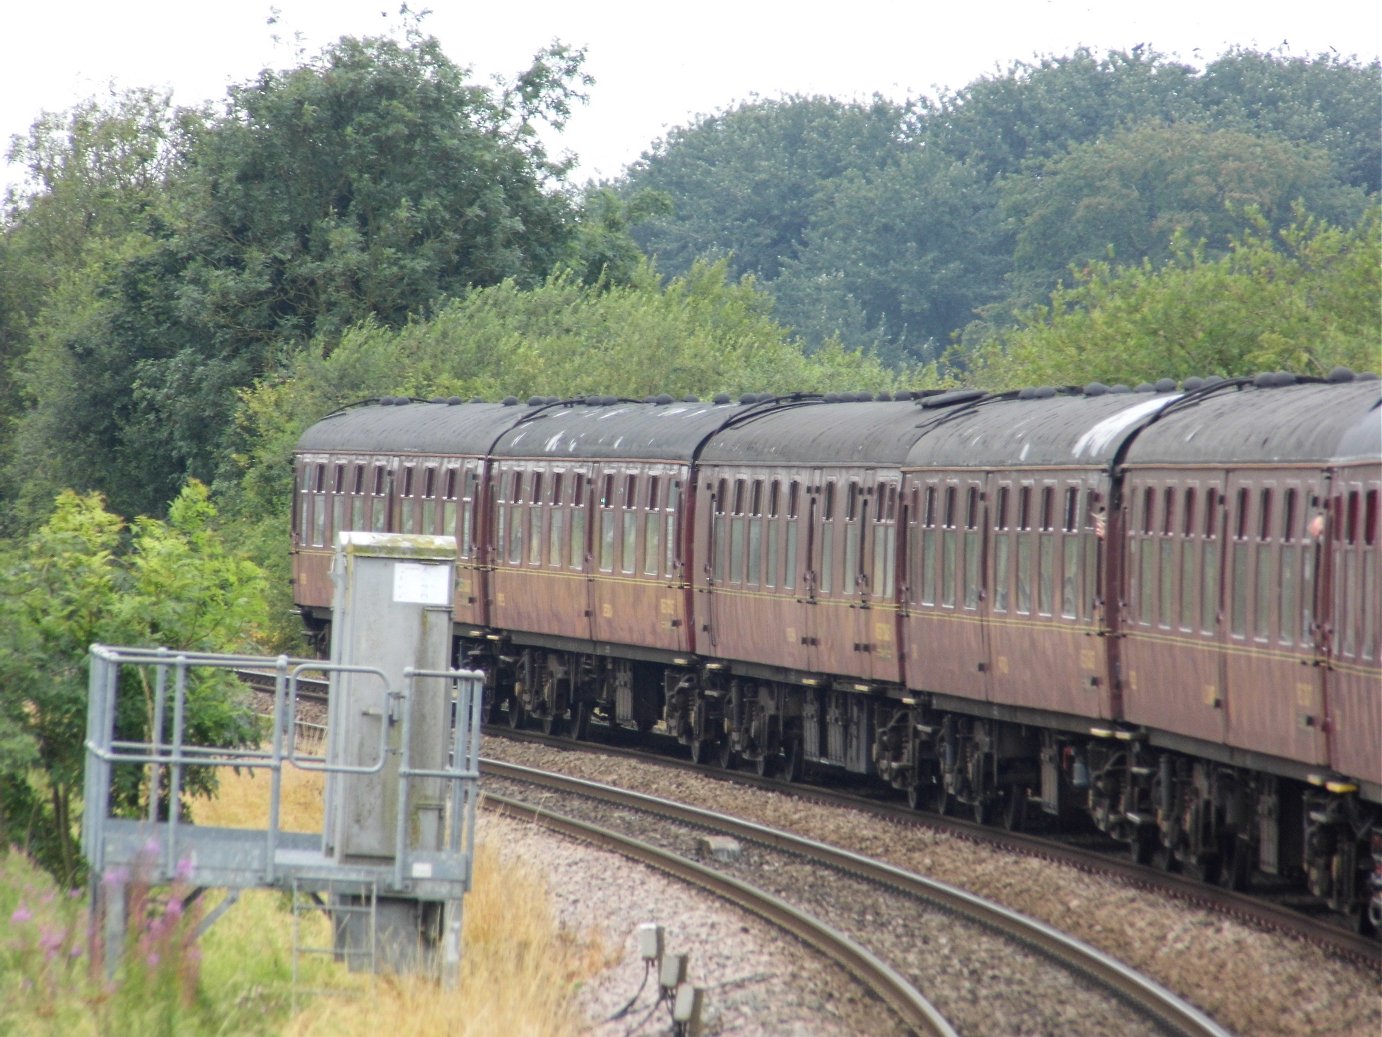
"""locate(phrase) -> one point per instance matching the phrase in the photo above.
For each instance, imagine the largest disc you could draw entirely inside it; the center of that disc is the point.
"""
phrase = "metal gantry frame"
(164, 846)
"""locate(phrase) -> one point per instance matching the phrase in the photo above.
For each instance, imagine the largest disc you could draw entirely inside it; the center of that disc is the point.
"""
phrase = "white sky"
(656, 66)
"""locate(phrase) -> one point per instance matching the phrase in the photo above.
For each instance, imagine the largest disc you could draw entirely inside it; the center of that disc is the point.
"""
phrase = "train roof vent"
(1037, 392)
(1339, 374)
(722, 398)
(1096, 389)
(884, 396)
(1366, 376)
(1165, 385)
(749, 397)
(952, 399)
(510, 401)
(1274, 379)
(1144, 387)
(1193, 383)
(663, 398)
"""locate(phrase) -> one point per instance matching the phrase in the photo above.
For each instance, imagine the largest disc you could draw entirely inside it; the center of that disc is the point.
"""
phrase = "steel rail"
(1148, 995)
(911, 1006)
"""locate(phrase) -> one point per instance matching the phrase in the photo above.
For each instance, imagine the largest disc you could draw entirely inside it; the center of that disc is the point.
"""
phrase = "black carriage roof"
(1046, 428)
(405, 426)
(1265, 421)
(832, 433)
(664, 430)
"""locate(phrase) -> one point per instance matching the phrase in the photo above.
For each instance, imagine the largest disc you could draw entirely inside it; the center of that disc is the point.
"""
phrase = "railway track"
(908, 895)
(1281, 912)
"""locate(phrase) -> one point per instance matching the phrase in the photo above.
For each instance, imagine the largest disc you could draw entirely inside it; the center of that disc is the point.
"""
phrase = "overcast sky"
(656, 66)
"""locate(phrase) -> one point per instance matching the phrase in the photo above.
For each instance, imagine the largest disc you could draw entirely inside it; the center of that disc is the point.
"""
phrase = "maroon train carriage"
(395, 465)
(1007, 619)
(1157, 607)
(593, 565)
(1249, 621)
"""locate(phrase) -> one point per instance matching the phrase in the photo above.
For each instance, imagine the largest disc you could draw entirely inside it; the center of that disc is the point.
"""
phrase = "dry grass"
(518, 969)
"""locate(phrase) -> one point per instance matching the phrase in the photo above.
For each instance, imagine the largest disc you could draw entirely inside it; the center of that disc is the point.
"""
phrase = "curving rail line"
(1148, 996)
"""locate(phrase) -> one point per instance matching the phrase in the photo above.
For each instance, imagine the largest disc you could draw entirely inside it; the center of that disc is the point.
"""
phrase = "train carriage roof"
(1037, 430)
(444, 428)
(663, 431)
(1250, 424)
(849, 432)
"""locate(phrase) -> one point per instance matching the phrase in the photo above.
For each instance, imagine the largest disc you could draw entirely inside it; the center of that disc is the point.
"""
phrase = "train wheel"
(983, 810)
(1144, 845)
(700, 750)
(580, 721)
(765, 765)
(1015, 809)
(795, 763)
(942, 801)
(1207, 868)
(916, 796)
(516, 714)
(727, 755)
(551, 724)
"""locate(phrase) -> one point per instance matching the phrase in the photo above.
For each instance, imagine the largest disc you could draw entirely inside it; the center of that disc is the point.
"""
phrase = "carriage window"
(1094, 531)
(407, 506)
(949, 561)
(673, 501)
(827, 573)
(1023, 597)
(755, 533)
(1238, 555)
(607, 524)
(928, 549)
(1002, 547)
(652, 529)
(736, 534)
(1189, 549)
(1045, 549)
(578, 506)
(972, 544)
(1070, 554)
(1209, 594)
(536, 539)
(357, 498)
(885, 547)
(789, 560)
(468, 515)
(556, 532)
(429, 499)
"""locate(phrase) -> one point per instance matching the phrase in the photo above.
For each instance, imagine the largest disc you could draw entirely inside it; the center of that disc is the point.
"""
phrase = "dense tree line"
(898, 225)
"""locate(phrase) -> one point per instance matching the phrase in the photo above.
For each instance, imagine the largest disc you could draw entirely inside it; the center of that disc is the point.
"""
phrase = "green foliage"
(80, 579)
(896, 259)
(746, 184)
(162, 984)
(898, 227)
(1126, 196)
(1303, 300)
(169, 258)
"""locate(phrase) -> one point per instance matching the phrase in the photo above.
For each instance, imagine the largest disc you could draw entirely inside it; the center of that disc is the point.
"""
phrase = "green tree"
(745, 184)
(1303, 299)
(81, 578)
(1126, 196)
(896, 259)
(372, 181)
